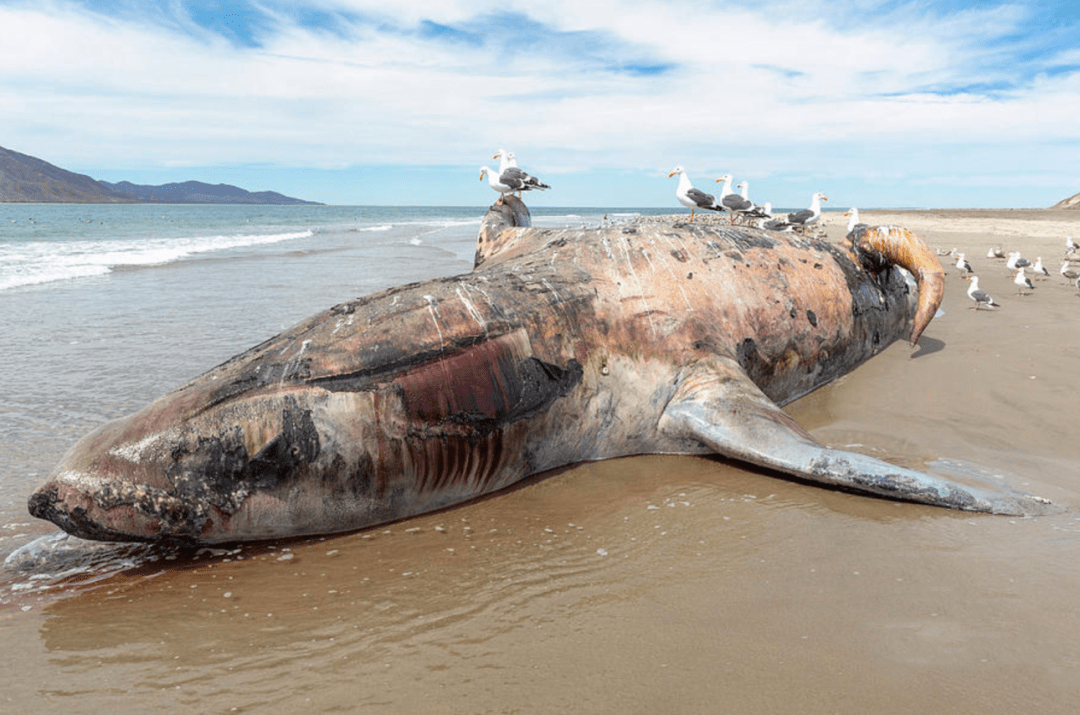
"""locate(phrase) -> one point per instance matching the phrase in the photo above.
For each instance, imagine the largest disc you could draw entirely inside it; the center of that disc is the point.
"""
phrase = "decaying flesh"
(898, 246)
(561, 346)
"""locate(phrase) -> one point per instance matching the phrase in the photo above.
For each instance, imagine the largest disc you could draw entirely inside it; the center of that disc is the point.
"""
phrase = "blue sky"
(886, 103)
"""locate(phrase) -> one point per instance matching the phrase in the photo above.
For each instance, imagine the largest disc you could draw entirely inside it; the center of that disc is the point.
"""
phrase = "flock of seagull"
(510, 178)
(1019, 266)
(740, 205)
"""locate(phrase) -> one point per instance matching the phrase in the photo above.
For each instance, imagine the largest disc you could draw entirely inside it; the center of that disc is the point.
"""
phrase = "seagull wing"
(800, 216)
(521, 180)
(734, 202)
(703, 200)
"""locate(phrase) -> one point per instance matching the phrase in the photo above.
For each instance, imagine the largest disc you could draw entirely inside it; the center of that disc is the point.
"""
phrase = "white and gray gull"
(1016, 261)
(1022, 282)
(962, 263)
(510, 176)
(980, 297)
(734, 203)
(855, 226)
(808, 216)
(691, 198)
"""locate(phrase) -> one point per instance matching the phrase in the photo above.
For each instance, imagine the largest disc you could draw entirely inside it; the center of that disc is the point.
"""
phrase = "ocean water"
(105, 307)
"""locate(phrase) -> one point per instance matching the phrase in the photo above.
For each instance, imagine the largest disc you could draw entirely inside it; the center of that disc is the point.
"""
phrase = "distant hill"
(26, 178)
(29, 179)
(197, 192)
(1073, 202)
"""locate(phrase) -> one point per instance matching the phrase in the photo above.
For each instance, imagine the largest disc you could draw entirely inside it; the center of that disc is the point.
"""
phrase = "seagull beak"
(824, 198)
(671, 175)
(496, 156)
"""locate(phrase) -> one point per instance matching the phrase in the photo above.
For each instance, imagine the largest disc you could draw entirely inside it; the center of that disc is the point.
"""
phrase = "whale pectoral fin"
(716, 403)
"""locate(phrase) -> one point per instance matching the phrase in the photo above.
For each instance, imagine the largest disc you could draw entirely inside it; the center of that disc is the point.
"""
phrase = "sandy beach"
(661, 584)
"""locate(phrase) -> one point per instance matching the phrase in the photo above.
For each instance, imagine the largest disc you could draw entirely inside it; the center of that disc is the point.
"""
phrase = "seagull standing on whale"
(508, 169)
(731, 202)
(808, 216)
(510, 178)
(690, 197)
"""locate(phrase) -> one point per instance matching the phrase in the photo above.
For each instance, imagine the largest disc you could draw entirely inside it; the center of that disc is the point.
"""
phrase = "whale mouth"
(105, 509)
(75, 520)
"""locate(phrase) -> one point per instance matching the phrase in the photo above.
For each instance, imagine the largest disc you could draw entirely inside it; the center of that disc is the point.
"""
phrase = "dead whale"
(561, 346)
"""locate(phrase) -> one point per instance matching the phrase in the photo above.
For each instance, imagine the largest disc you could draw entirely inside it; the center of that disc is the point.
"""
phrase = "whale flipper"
(717, 404)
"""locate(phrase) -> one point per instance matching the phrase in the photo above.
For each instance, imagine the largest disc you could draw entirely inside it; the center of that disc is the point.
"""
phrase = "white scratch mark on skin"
(607, 247)
(558, 298)
(471, 309)
(293, 365)
(559, 306)
(434, 315)
(641, 292)
(135, 452)
(341, 323)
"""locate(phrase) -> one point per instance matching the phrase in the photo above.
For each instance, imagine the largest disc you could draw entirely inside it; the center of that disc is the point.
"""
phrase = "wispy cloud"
(778, 91)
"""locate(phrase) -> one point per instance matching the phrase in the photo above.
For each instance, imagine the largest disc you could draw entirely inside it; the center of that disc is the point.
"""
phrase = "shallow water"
(649, 584)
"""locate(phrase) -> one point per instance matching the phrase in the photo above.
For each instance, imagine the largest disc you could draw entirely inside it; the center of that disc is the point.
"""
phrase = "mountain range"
(1073, 202)
(25, 178)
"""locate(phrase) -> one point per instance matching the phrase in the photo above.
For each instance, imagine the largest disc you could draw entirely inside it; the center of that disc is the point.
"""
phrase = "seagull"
(855, 227)
(510, 180)
(690, 197)
(808, 216)
(506, 159)
(495, 182)
(1069, 275)
(980, 297)
(962, 263)
(853, 218)
(511, 175)
(1038, 267)
(779, 225)
(1016, 261)
(1071, 245)
(995, 253)
(763, 211)
(732, 202)
(1022, 282)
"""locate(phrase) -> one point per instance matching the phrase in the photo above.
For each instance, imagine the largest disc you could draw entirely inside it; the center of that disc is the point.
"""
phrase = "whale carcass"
(561, 346)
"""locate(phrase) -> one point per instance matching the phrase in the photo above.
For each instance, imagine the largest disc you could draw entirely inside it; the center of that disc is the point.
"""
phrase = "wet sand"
(658, 584)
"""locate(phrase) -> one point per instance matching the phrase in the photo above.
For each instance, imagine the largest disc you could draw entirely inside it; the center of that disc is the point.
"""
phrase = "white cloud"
(771, 90)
